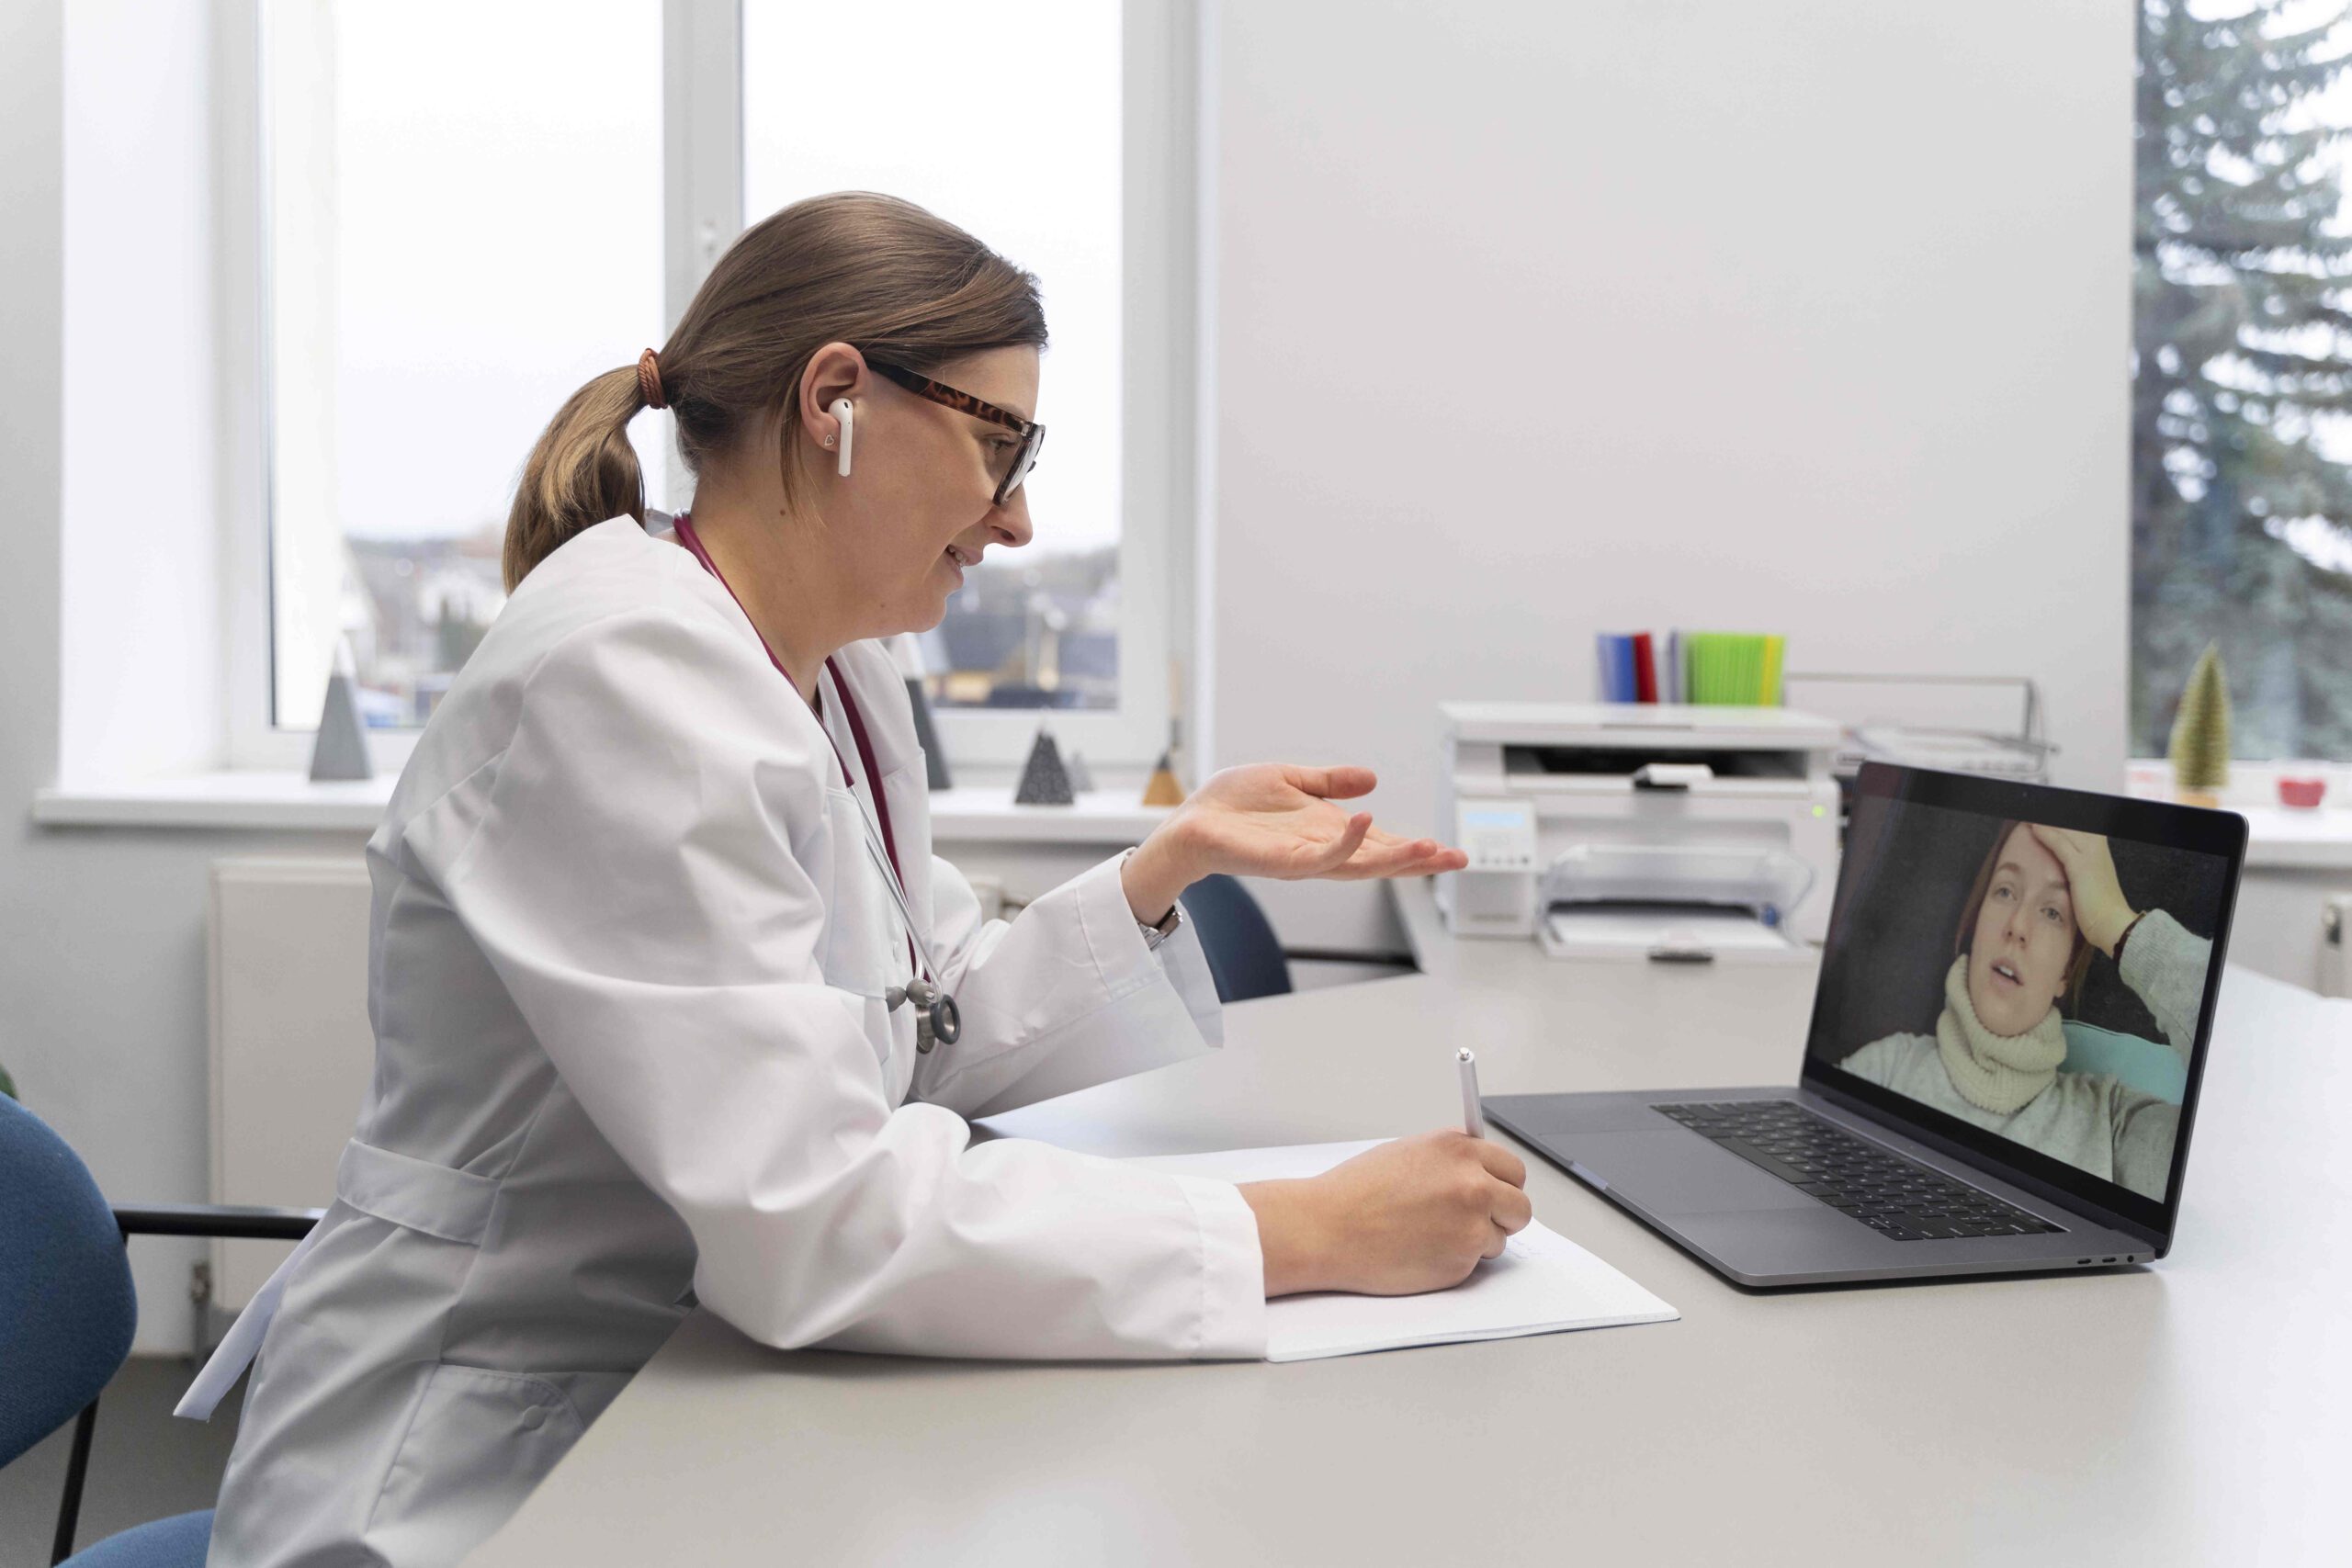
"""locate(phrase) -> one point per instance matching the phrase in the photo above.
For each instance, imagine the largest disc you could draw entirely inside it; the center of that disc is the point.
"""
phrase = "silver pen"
(1473, 1120)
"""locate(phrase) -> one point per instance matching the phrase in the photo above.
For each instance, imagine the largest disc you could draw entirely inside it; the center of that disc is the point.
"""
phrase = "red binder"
(1644, 668)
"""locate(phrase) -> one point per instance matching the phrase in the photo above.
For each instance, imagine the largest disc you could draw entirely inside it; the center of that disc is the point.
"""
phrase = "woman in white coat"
(640, 982)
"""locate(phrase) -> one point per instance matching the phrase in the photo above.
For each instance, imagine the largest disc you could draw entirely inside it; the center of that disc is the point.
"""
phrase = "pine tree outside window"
(2241, 370)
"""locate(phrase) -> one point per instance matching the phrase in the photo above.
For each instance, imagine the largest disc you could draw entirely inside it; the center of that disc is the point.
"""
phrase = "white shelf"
(290, 802)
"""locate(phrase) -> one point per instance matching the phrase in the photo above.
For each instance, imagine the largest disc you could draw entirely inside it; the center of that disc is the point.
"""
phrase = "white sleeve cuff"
(1123, 959)
(1114, 939)
(1233, 1272)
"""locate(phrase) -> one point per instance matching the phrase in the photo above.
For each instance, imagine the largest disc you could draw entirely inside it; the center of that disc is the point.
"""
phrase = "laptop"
(2009, 1037)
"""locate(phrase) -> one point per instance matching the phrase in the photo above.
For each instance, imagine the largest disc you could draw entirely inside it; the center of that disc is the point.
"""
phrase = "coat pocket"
(477, 1442)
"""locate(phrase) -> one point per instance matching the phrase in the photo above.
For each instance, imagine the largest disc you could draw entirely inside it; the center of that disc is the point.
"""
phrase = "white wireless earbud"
(844, 412)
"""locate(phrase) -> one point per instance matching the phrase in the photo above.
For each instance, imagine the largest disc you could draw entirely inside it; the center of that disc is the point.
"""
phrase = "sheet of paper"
(1542, 1284)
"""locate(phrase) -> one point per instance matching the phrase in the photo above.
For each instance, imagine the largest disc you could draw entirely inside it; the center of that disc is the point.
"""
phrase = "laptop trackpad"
(1674, 1172)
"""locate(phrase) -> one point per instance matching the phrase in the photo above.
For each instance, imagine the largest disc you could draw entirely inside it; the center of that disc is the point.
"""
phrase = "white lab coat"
(626, 979)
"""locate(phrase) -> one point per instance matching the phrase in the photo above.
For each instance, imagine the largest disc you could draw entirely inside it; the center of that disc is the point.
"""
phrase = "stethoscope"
(937, 1019)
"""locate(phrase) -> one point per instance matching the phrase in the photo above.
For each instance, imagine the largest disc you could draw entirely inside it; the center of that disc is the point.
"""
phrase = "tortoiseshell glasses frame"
(1033, 435)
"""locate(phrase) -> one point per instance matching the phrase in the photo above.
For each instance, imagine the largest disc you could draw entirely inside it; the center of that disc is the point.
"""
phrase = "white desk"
(2190, 1413)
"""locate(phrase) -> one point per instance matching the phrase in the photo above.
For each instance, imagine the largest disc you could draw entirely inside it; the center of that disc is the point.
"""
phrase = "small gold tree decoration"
(2200, 734)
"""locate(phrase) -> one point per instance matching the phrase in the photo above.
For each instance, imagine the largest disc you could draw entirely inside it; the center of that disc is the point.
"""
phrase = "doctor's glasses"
(1033, 435)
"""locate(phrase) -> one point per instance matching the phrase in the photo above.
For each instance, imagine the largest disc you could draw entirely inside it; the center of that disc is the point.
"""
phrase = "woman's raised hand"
(1278, 821)
(2100, 908)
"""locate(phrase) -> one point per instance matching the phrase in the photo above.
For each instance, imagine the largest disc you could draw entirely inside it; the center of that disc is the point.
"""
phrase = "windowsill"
(985, 814)
(249, 801)
(289, 802)
(2283, 836)
(2277, 837)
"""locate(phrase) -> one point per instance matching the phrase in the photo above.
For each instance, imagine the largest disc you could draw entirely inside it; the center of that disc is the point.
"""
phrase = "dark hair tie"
(648, 380)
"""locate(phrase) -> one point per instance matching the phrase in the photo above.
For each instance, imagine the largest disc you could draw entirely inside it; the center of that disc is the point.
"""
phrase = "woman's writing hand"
(2100, 908)
(1273, 819)
(1411, 1215)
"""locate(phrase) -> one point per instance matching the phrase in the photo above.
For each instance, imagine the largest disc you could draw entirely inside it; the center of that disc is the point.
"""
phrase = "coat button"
(535, 1417)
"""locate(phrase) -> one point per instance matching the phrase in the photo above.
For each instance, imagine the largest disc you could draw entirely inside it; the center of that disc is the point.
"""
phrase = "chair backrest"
(66, 1305)
(2148, 1065)
(1244, 956)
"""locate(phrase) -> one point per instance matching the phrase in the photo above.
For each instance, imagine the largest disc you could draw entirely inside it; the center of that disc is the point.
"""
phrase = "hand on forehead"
(2033, 859)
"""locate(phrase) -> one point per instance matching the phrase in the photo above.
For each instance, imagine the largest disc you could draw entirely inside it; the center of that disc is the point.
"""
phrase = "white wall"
(1537, 320)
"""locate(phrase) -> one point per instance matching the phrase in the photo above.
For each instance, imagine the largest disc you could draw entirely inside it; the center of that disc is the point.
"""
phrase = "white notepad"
(1542, 1284)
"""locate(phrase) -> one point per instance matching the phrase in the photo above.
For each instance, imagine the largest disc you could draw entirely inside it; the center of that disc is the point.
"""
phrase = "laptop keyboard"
(1896, 1197)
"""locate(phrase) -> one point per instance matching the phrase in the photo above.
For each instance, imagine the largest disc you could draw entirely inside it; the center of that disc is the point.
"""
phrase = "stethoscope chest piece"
(937, 1020)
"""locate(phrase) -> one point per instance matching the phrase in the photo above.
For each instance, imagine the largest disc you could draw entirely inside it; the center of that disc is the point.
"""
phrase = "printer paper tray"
(1693, 934)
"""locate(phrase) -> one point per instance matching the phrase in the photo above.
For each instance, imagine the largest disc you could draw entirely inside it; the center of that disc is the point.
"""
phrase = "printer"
(1644, 831)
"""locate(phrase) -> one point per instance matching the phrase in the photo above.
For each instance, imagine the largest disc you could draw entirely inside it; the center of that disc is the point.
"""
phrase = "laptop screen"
(2029, 972)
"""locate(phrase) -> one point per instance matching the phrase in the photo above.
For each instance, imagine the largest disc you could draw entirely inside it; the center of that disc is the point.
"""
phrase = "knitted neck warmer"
(1999, 1072)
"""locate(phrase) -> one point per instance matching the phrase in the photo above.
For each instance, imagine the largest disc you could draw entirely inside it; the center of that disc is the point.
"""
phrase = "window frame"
(702, 213)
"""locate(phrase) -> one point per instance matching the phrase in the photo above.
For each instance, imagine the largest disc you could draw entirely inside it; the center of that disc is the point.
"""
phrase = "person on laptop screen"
(2047, 902)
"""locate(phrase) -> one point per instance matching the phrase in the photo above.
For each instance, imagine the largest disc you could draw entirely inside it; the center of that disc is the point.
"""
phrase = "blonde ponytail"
(582, 472)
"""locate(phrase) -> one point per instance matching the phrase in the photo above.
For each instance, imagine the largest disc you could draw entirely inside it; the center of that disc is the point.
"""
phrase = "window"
(449, 242)
(2242, 371)
(1035, 172)
(457, 239)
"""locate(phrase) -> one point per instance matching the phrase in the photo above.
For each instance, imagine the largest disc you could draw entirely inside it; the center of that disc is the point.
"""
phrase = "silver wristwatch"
(1156, 934)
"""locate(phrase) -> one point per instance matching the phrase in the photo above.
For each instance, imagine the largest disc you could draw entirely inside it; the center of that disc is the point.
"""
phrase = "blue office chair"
(67, 1310)
(1245, 958)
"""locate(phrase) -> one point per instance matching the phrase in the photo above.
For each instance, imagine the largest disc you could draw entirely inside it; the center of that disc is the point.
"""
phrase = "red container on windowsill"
(2303, 793)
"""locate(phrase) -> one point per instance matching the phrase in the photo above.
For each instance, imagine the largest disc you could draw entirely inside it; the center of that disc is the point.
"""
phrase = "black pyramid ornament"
(935, 756)
(1043, 780)
(906, 652)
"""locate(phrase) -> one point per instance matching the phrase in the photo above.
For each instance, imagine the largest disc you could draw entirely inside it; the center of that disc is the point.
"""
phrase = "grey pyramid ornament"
(340, 753)
(1081, 777)
(1043, 780)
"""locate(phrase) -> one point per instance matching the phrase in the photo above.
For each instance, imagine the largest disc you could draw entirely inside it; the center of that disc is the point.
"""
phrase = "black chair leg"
(69, 1511)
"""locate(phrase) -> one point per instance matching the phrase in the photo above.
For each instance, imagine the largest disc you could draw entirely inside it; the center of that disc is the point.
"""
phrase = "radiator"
(291, 1049)
(2335, 938)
